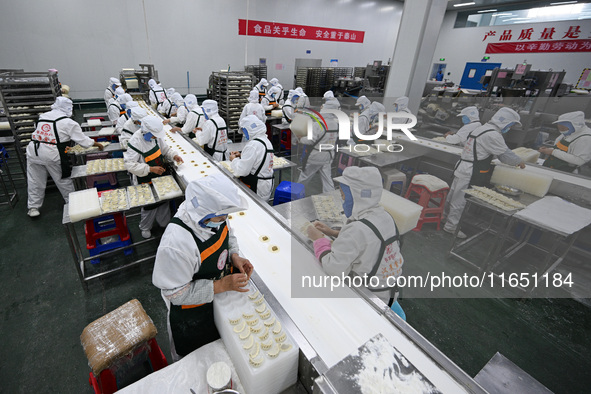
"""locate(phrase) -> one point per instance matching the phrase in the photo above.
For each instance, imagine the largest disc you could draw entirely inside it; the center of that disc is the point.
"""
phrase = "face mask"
(571, 128)
(395, 107)
(113, 86)
(148, 136)
(205, 114)
(123, 106)
(245, 132)
(465, 119)
(348, 203)
(129, 112)
(213, 224)
(361, 107)
(507, 128)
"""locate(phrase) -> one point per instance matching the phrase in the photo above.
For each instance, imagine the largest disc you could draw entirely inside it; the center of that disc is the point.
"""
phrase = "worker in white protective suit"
(114, 83)
(253, 107)
(330, 98)
(144, 158)
(178, 119)
(363, 103)
(169, 107)
(198, 257)
(254, 166)
(132, 125)
(46, 153)
(369, 243)
(261, 88)
(114, 110)
(319, 152)
(368, 121)
(289, 106)
(303, 99)
(157, 93)
(126, 116)
(194, 118)
(572, 148)
(122, 101)
(275, 83)
(474, 167)
(214, 133)
(471, 121)
(269, 102)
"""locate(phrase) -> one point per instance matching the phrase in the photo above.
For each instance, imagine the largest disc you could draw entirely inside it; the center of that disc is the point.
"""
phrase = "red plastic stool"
(96, 117)
(285, 139)
(116, 341)
(106, 226)
(429, 192)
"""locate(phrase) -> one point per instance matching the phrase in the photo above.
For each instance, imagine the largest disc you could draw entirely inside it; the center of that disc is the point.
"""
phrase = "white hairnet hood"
(212, 195)
(366, 187)
(328, 94)
(114, 81)
(190, 101)
(375, 108)
(300, 91)
(64, 105)
(170, 92)
(254, 126)
(119, 91)
(504, 116)
(138, 113)
(177, 99)
(577, 119)
(291, 93)
(274, 92)
(152, 83)
(401, 103)
(253, 97)
(210, 108)
(331, 103)
(153, 124)
(471, 113)
(131, 104)
(262, 82)
(363, 102)
(274, 81)
(124, 98)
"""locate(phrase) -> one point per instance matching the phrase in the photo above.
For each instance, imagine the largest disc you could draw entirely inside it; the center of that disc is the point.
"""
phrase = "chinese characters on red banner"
(526, 34)
(301, 32)
(540, 46)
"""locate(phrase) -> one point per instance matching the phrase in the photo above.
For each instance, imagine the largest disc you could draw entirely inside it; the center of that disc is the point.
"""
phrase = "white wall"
(89, 41)
(462, 45)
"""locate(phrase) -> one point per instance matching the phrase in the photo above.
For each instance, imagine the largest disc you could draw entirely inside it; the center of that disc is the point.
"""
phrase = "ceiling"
(480, 4)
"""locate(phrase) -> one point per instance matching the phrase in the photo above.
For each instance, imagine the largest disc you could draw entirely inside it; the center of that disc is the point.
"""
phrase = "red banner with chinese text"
(540, 46)
(299, 32)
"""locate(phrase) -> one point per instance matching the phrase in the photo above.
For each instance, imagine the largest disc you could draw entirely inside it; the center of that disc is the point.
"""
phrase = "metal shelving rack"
(231, 90)
(25, 95)
(259, 71)
(359, 72)
(317, 80)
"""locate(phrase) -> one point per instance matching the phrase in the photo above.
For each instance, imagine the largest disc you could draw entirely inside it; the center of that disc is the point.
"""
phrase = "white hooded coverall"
(489, 143)
(178, 258)
(45, 159)
(137, 165)
(214, 133)
(577, 144)
(357, 247)
(460, 137)
(258, 152)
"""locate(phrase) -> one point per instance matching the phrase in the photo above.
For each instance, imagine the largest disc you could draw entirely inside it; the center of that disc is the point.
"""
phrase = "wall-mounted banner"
(299, 32)
(540, 46)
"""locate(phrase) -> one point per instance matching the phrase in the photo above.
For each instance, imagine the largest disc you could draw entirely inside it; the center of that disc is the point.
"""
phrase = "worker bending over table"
(474, 167)
(369, 243)
(144, 158)
(195, 260)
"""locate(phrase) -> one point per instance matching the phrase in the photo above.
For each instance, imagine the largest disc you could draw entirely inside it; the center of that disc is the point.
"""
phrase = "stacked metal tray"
(231, 90)
(25, 95)
(259, 71)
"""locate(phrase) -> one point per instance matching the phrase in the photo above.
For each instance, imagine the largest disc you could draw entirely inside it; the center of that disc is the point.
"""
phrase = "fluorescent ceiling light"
(464, 4)
(503, 14)
(368, 4)
(556, 10)
(483, 11)
(389, 8)
(564, 2)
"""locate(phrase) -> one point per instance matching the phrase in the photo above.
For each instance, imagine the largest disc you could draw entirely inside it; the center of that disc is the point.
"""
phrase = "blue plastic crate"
(288, 191)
